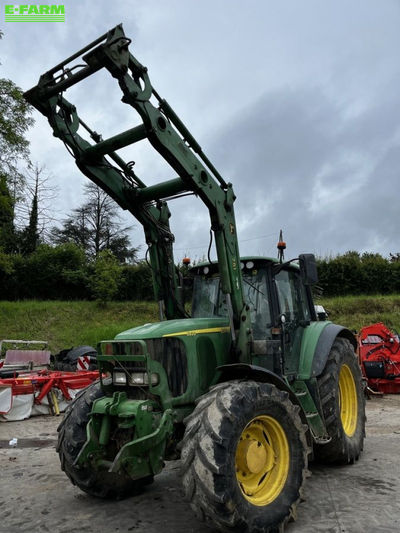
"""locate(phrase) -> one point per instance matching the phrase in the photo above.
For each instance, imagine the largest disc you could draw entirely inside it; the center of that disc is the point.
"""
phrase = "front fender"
(257, 373)
(247, 371)
(316, 344)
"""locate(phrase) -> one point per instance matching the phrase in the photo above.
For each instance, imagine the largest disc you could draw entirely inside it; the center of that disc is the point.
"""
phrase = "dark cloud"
(300, 163)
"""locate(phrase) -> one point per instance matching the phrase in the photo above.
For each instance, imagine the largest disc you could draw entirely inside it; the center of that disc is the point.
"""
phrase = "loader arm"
(164, 130)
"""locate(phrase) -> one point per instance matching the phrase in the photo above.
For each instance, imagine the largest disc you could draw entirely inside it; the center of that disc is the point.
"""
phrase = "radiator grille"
(171, 354)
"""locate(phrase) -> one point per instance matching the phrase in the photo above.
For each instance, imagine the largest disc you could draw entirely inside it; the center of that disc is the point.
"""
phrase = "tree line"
(87, 256)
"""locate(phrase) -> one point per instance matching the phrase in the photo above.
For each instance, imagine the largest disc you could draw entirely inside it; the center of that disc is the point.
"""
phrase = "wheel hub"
(253, 456)
(348, 402)
(262, 460)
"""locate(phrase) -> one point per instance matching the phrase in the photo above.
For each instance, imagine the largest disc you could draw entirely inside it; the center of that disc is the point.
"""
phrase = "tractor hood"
(172, 328)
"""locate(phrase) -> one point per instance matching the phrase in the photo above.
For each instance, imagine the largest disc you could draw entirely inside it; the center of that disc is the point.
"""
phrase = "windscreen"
(209, 301)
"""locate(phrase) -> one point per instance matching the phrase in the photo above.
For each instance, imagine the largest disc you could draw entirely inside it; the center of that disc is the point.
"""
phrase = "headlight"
(155, 379)
(142, 378)
(119, 378)
(138, 378)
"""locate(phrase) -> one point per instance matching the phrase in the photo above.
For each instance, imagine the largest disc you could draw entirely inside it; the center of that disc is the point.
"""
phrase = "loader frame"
(161, 126)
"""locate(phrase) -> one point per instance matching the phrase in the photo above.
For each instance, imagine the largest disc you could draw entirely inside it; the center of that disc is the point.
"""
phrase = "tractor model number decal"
(194, 332)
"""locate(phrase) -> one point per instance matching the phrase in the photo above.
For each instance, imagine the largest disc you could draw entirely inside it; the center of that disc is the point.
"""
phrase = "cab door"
(294, 305)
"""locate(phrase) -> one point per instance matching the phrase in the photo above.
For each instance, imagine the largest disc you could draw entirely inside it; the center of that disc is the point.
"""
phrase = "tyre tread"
(340, 449)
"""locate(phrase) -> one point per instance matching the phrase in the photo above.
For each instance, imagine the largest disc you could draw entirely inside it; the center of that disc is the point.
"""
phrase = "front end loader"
(245, 389)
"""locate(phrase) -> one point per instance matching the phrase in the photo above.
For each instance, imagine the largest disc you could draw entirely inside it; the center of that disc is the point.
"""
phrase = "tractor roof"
(257, 259)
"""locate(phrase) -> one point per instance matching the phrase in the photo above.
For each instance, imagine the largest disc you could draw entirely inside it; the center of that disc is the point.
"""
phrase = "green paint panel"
(314, 419)
(172, 327)
(309, 342)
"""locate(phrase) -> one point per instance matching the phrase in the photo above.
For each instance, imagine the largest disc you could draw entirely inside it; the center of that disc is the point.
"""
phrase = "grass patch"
(354, 312)
(65, 324)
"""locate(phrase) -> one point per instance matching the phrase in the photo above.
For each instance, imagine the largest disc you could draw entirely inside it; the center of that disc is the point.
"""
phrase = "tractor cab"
(280, 304)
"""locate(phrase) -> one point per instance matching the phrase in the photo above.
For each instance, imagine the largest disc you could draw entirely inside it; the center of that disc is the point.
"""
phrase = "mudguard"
(260, 374)
(317, 342)
(247, 371)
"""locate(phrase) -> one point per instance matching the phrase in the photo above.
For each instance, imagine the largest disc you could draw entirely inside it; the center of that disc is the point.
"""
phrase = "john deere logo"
(34, 13)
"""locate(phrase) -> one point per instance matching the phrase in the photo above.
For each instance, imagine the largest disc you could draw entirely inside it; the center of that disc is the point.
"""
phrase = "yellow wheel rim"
(348, 402)
(262, 460)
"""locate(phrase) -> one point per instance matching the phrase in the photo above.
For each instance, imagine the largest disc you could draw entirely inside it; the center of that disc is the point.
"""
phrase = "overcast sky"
(296, 103)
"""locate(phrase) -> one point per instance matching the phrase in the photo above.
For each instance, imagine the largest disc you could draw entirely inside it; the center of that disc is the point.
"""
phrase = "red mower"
(379, 350)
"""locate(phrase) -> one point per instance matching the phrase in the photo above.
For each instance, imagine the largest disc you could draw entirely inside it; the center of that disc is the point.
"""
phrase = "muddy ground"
(36, 496)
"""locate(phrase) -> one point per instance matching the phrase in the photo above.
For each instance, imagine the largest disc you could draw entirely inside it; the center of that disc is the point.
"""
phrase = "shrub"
(105, 278)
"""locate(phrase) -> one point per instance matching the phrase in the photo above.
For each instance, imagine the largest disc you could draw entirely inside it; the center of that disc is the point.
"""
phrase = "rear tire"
(244, 457)
(343, 405)
(71, 438)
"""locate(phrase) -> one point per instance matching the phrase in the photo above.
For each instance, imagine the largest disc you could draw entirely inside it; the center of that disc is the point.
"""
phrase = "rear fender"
(317, 342)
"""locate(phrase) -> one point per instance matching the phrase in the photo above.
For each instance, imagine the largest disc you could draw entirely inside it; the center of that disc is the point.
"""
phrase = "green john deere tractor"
(247, 388)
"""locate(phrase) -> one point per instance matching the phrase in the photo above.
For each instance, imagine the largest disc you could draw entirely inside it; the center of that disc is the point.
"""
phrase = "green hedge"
(353, 273)
(65, 273)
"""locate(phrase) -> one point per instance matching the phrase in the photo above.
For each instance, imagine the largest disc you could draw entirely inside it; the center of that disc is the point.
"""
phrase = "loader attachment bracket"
(142, 456)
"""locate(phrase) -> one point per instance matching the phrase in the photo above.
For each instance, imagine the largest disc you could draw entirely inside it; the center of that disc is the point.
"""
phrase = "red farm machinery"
(379, 349)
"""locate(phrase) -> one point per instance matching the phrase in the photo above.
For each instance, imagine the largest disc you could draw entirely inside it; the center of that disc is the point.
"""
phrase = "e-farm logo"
(34, 13)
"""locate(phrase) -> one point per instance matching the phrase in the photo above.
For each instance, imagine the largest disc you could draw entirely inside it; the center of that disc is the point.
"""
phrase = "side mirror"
(308, 269)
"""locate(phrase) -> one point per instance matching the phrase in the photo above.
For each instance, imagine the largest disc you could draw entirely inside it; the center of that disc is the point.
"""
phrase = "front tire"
(244, 457)
(71, 438)
(343, 406)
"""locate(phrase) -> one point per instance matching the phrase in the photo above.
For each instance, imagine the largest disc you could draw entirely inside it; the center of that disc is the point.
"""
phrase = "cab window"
(292, 296)
(256, 295)
(208, 300)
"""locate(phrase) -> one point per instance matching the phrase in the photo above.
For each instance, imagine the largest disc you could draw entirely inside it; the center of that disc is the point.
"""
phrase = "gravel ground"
(36, 496)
